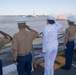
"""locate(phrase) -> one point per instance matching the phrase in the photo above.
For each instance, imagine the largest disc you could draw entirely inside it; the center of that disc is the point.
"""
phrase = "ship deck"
(38, 66)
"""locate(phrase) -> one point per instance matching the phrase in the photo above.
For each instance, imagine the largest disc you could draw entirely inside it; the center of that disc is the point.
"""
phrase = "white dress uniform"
(50, 46)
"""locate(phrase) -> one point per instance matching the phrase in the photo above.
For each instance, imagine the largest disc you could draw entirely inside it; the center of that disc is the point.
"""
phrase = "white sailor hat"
(50, 18)
(21, 20)
(71, 18)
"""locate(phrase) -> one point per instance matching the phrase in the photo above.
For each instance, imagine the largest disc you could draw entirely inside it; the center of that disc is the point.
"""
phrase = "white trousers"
(49, 57)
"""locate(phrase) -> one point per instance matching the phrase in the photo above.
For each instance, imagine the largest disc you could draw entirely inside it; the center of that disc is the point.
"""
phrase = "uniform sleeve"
(45, 40)
(35, 35)
(58, 26)
(6, 40)
(66, 33)
(14, 43)
(75, 28)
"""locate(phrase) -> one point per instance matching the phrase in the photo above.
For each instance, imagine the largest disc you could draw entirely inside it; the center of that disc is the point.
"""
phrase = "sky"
(39, 7)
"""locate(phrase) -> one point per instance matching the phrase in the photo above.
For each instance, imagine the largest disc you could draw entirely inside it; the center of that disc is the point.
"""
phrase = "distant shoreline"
(58, 19)
(21, 15)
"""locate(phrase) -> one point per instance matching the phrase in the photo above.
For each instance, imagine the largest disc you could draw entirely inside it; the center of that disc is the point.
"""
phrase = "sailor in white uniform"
(50, 44)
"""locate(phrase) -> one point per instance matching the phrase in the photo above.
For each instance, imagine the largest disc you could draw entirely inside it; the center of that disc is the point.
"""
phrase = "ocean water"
(9, 25)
